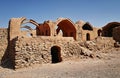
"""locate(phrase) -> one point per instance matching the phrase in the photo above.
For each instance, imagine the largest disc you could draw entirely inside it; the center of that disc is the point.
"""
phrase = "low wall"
(29, 51)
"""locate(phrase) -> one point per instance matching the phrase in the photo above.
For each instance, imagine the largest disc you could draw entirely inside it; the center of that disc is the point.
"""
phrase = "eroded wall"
(82, 33)
(37, 50)
(3, 41)
(116, 34)
(92, 33)
(25, 51)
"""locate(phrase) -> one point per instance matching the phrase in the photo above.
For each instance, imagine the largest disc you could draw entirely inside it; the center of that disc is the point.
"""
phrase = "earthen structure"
(50, 42)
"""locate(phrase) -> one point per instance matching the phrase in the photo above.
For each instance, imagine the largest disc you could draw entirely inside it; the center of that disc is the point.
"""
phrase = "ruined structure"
(112, 30)
(50, 42)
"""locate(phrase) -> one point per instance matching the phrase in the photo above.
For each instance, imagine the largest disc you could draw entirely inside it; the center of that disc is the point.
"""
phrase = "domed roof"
(80, 22)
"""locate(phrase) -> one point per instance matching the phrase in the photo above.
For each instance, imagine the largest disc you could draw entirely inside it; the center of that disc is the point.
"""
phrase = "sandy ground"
(107, 67)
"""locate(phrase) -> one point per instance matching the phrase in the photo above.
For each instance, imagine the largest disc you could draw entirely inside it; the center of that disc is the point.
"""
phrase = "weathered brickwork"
(53, 41)
(116, 34)
(3, 41)
(37, 50)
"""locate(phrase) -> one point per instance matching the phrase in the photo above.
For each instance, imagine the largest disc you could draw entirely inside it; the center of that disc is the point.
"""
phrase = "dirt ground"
(106, 67)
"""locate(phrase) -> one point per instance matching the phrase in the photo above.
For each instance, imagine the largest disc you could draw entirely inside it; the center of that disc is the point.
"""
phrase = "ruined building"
(50, 42)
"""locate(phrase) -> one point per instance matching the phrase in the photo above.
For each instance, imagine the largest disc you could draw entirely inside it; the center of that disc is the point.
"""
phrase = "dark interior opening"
(87, 36)
(107, 30)
(87, 27)
(56, 54)
(68, 29)
(99, 32)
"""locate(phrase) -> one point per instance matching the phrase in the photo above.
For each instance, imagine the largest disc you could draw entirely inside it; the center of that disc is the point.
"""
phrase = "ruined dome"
(80, 22)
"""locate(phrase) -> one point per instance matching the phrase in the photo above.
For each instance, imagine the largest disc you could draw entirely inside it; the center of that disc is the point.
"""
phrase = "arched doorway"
(56, 54)
(99, 32)
(87, 36)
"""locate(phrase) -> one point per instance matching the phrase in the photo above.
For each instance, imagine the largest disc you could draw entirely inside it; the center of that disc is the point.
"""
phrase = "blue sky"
(97, 12)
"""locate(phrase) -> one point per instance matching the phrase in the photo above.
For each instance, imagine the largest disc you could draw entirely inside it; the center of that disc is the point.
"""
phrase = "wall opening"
(60, 33)
(87, 26)
(67, 27)
(43, 30)
(88, 37)
(29, 34)
(56, 54)
(99, 32)
(107, 31)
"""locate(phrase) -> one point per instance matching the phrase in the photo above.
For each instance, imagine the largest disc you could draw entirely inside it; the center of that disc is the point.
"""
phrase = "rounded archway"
(56, 54)
(28, 27)
(87, 26)
(28, 22)
(99, 32)
(43, 30)
(67, 27)
(88, 37)
(107, 30)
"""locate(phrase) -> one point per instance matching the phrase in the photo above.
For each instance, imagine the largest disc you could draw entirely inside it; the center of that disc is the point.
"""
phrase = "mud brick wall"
(116, 34)
(3, 41)
(37, 50)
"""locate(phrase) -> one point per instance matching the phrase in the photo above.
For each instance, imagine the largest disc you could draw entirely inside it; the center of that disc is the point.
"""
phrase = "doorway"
(88, 37)
(99, 32)
(56, 54)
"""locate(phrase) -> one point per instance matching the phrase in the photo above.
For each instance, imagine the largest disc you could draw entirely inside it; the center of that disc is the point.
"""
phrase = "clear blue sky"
(97, 12)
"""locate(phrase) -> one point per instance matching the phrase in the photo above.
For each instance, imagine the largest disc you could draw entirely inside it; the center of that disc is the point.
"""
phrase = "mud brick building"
(50, 42)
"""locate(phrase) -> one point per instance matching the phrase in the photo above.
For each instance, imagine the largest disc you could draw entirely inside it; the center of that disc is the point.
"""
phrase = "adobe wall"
(14, 27)
(81, 33)
(13, 33)
(3, 41)
(116, 34)
(93, 34)
(37, 50)
(28, 33)
(25, 49)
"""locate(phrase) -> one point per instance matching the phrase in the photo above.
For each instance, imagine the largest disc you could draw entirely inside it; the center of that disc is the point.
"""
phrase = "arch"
(99, 32)
(43, 30)
(87, 26)
(56, 54)
(67, 27)
(107, 30)
(27, 27)
(25, 21)
(87, 37)
(34, 22)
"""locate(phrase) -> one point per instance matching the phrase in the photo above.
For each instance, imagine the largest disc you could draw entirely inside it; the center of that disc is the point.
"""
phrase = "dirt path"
(108, 67)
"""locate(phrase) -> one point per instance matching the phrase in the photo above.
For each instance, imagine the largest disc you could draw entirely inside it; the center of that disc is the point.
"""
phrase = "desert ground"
(108, 66)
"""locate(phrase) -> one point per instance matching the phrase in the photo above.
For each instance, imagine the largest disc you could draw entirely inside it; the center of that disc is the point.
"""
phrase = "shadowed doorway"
(99, 32)
(56, 54)
(88, 37)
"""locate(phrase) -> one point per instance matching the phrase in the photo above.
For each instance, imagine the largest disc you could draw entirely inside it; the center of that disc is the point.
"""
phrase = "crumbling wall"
(116, 34)
(29, 51)
(107, 30)
(88, 30)
(92, 33)
(14, 27)
(3, 41)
